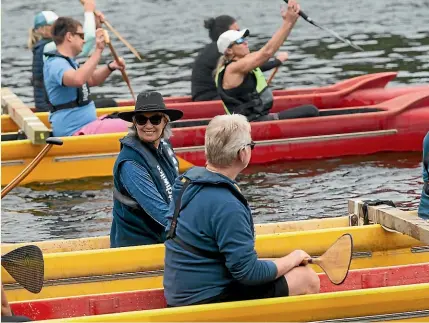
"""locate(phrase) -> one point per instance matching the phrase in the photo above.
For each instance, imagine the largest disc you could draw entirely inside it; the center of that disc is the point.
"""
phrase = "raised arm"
(88, 27)
(255, 59)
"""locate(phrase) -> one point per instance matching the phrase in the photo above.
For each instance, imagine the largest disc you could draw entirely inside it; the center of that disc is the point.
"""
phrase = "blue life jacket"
(131, 225)
(40, 97)
(83, 92)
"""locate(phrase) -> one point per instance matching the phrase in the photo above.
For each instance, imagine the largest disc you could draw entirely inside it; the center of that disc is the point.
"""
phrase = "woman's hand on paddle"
(118, 66)
(99, 17)
(100, 42)
(5, 307)
(292, 12)
(282, 56)
(299, 256)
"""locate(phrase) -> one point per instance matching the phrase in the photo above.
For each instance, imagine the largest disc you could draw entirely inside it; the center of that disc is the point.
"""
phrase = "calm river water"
(168, 34)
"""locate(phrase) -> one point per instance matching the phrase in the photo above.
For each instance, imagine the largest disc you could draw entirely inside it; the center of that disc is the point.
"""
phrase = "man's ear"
(68, 36)
(228, 52)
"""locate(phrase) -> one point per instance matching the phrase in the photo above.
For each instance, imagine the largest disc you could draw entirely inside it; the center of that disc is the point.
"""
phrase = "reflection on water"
(169, 34)
(278, 192)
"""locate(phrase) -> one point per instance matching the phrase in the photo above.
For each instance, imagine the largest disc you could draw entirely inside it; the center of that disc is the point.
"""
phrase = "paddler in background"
(67, 83)
(241, 83)
(424, 200)
(203, 87)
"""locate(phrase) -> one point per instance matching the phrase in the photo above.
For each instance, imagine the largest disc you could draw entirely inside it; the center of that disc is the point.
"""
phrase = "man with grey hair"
(143, 174)
(210, 252)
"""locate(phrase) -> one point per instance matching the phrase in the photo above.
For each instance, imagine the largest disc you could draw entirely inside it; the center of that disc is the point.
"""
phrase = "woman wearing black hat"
(144, 173)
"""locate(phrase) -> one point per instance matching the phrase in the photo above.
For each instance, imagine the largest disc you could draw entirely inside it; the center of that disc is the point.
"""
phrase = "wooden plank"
(393, 219)
(22, 115)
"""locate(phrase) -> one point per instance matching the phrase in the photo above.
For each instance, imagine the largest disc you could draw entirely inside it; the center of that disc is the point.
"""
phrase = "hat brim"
(172, 113)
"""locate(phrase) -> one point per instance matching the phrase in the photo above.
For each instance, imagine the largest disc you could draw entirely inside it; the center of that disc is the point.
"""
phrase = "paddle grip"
(307, 261)
(54, 141)
(302, 14)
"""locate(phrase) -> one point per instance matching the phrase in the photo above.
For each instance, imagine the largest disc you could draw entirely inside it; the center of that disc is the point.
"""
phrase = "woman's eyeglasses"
(237, 42)
(141, 120)
(81, 35)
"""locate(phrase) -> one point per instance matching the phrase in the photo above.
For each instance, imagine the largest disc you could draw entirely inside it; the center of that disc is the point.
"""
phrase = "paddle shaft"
(124, 74)
(273, 73)
(116, 57)
(333, 33)
(27, 170)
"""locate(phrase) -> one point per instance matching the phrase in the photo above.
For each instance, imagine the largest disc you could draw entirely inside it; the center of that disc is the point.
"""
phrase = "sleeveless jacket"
(253, 104)
(83, 92)
(40, 97)
(131, 224)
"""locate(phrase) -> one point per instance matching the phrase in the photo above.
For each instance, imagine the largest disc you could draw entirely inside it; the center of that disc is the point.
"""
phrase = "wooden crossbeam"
(22, 115)
(393, 219)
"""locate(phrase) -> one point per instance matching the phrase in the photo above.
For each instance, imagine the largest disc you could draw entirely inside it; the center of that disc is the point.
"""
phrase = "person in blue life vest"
(424, 200)
(68, 84)
(203, 87)
(40, 41)
(241, 83)
(144, 173)
(210, 252)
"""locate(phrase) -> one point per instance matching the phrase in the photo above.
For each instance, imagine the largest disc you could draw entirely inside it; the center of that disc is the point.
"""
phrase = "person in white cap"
(40, 42)
(241, 83)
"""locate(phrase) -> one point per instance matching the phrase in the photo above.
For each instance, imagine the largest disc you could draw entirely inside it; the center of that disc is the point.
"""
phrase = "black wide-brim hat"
(150, 102)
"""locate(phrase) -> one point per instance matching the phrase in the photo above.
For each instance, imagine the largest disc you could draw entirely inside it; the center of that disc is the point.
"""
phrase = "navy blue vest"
(133, 226)
(40, 97)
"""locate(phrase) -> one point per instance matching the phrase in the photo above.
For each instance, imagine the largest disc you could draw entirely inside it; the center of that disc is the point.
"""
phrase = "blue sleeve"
(54, 69)
(425, 156)
(235, 239)
(141, 187)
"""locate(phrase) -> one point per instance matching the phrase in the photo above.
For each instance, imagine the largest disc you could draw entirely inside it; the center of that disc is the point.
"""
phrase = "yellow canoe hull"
(328, 306)
(392, 248)
(103, 242)
(153, 279)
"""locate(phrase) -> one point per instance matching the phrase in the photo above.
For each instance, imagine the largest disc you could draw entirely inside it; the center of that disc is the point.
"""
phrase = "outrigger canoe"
(359, 280)
(399, 124)
(358, 91)
(137, 268)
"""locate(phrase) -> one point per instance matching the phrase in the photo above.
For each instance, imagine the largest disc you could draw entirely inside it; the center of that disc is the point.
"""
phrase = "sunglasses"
(141, 120)
(81, 35)
(252, 146)
(237, 42)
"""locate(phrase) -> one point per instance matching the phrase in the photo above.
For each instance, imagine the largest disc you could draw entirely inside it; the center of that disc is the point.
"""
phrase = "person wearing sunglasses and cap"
(67, 83)
(203, 87)
(40, 41)
(144, 173)
(424, 199)
(241, 83)
(210, 252)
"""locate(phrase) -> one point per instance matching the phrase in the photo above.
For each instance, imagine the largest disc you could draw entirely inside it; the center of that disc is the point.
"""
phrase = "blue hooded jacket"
(424, 200)
(214, 217)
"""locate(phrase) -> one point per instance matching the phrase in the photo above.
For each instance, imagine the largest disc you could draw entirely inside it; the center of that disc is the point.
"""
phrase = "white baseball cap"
(228, 37)
(44, 18)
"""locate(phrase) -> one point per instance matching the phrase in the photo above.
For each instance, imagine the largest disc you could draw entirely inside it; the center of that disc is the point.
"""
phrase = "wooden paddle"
(26, 266)
(335, 262)
(122, 39)
(116, 57)
(273, 73)
(27, 170)
(333, 33)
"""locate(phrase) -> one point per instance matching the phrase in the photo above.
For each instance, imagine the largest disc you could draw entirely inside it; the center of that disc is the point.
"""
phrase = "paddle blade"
(26, 266)
(335, 262)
